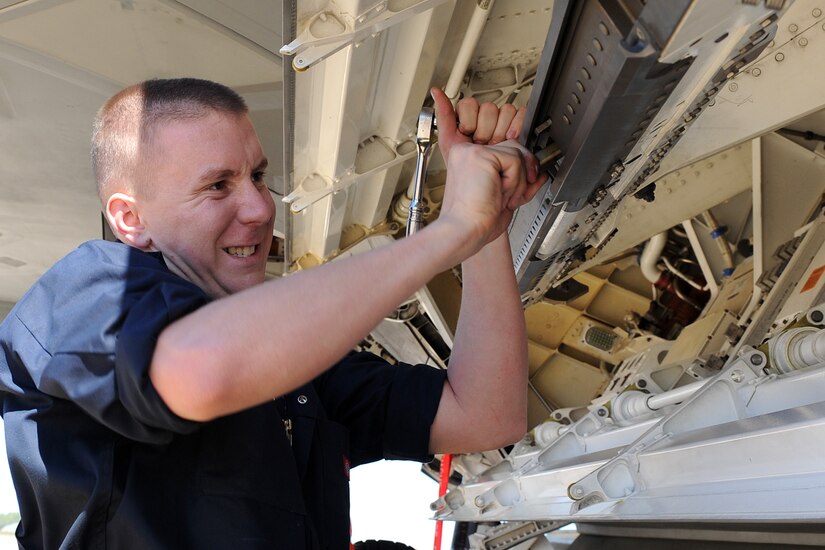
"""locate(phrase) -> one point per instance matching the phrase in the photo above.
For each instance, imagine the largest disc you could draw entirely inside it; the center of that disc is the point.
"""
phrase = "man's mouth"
(241, 251)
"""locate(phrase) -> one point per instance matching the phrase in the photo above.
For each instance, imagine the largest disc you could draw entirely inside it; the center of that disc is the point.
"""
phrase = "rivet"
(604, 29)
(756, 72)
(576, 99)
(580, 86)
(585, 73)
(564, 118)
(817, 12)
(779, 57)
(597, 44)
(803, 41)
(591, 59)
(733, 86)
(302, 399)
(793, 27)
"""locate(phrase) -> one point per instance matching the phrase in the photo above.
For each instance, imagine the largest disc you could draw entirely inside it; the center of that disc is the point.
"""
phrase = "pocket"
(248, 456)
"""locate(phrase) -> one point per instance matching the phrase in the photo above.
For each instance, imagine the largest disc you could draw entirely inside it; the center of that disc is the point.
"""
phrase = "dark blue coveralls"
(99, 461)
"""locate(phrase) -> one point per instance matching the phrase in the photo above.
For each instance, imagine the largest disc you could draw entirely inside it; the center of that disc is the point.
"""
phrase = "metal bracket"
(315, 187)
(622, 476)
(311, 48)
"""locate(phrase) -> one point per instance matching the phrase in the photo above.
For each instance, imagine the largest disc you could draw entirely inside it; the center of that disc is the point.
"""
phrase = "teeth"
(240, 251)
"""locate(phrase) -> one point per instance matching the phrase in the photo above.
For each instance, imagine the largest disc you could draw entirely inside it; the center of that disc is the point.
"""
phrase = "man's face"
(208, 209)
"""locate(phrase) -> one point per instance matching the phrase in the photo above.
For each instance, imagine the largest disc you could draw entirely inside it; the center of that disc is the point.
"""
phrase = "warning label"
(813, 280)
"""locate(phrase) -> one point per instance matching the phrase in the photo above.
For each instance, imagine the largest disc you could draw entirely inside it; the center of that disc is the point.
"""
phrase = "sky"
(390, 501)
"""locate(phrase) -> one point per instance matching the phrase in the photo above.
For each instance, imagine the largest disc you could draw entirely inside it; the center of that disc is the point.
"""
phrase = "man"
(157, 393)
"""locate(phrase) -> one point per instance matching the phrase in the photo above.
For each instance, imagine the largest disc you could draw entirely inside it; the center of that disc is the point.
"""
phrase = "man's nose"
(256, 205)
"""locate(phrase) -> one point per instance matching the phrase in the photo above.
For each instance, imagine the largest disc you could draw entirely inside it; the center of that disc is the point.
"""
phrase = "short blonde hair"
(125, 122)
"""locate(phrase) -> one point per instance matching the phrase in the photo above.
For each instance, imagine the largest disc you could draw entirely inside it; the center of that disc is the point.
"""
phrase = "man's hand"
(485, 185)
(483, 124)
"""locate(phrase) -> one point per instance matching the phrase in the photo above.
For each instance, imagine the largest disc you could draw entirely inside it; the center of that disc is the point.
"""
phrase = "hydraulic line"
(650, 257)
(718, 234)
(468, 47)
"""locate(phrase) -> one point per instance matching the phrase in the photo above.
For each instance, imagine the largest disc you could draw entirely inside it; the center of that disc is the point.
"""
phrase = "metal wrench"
(424, 140)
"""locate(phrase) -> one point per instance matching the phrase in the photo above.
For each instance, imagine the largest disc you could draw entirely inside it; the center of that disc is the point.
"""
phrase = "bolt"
(578, 492)
(793, 27)
(756, 72)
(779, 57)
(642, 383)
(756, 359)
(817, 316)
(737, 376)
(479, 501)
(803, 41)
(601, 412)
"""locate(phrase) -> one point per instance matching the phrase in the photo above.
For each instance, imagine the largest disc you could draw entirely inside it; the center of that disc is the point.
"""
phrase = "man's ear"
(124, 218)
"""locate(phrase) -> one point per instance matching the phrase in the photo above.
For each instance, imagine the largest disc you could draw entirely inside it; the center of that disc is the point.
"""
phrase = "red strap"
(444, 481)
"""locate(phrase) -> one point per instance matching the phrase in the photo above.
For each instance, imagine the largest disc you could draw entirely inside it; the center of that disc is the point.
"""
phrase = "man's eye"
(218, 186)
(258, 177)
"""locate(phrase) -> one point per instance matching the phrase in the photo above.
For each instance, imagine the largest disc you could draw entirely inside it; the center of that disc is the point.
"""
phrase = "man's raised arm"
(484, 404)
(262, 342)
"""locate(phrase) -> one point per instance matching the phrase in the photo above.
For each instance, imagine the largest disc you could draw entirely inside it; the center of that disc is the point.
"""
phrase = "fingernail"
(511, 133)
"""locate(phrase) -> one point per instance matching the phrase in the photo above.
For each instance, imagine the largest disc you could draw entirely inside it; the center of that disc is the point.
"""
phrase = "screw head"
(578, 492)
(479, 501)
(601, 412)
(756, 359)
(817, 316)
(737, 375)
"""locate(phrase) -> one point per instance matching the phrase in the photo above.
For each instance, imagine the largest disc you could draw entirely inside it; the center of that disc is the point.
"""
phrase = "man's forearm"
(247, 348)
(488, 365)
